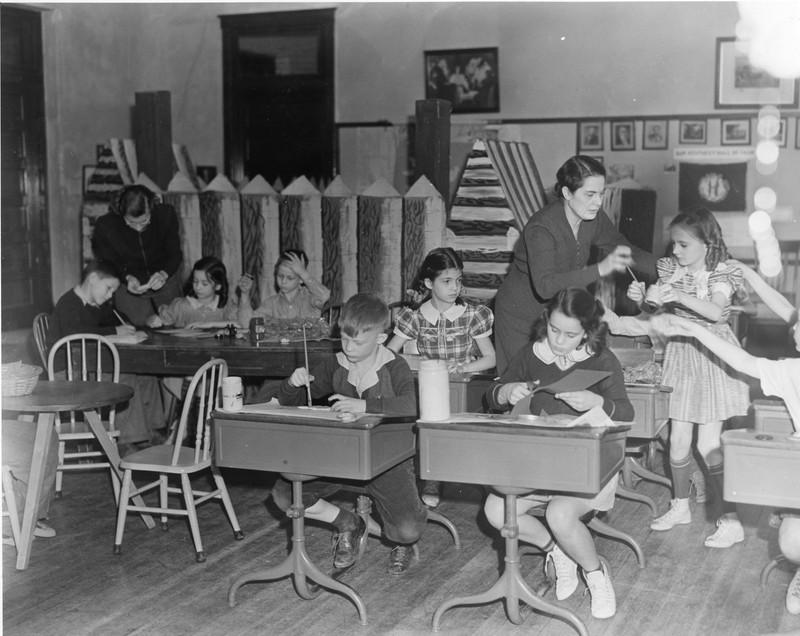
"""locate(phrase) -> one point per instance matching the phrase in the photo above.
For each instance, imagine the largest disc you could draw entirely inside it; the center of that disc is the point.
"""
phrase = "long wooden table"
(47, 399)
(164, 354)
(304, 444)
(514, 457)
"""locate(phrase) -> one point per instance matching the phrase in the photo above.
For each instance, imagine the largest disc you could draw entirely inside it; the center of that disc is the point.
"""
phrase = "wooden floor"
(75, 585)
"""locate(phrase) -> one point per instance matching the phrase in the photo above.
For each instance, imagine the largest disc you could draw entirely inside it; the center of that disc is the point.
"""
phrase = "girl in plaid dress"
(696, 283)
(445, 326)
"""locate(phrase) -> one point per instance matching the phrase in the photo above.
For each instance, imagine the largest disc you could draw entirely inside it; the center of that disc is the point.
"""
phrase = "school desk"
(304, 444)
(47, 399)
(515, 456)
(164, 354)
(771, 416)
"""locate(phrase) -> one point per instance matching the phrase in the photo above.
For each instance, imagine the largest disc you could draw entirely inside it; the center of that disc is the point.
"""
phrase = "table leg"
(110, 449)
(511, 586)
(299, 564)
(44, 432)
(645, 473)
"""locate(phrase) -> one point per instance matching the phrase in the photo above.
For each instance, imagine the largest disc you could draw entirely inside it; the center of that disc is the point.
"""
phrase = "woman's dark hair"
(574, 173)
(700, 223)
(133, 200)
(216, 272)
(361, 312)
(577, 303)
(438, 260)
(103, 269)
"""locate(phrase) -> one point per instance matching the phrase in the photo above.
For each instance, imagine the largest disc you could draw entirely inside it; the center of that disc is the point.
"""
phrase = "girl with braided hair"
(696, 283)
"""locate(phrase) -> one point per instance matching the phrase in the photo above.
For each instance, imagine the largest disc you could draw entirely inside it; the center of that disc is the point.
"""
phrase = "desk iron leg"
(511, 586)
(298, 563)
(645, 473)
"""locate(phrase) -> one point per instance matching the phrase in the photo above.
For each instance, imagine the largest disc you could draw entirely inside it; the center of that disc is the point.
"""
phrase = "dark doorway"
(27, 286)
(278, 76)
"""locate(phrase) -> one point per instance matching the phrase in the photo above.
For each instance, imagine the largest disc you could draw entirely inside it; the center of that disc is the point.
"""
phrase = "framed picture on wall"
(623, 135)
(735, 132)
(467, 78)
(590, 136)
(655, 134)
(739, 84)
(692, 131)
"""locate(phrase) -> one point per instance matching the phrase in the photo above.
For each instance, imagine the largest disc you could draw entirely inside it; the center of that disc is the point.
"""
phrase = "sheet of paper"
(134, 338)
(577, 380)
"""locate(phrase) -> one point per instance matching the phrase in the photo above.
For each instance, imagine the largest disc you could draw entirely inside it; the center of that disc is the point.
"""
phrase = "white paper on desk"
(595, 416)
(133, 338)
(188, 333)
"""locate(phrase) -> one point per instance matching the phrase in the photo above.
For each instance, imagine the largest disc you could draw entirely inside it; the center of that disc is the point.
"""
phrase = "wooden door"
(26, 282)
(278, 77)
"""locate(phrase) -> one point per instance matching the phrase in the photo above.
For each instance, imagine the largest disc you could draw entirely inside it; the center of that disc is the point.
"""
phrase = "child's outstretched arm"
(738, 358)
(396, 343)
(772, 298)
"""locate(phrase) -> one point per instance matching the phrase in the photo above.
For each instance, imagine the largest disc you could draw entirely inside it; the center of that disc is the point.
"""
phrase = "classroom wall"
(557, 60)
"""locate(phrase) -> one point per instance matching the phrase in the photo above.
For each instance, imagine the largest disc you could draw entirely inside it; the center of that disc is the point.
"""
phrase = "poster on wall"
(718, 186)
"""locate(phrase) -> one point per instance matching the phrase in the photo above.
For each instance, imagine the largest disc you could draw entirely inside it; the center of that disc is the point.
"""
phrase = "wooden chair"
(330, 313)
(10, 504)
(41, 329)
(85, 357)
(181, 461)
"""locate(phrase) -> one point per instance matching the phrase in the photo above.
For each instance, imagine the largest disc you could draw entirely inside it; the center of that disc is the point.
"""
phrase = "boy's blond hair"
(363, 312)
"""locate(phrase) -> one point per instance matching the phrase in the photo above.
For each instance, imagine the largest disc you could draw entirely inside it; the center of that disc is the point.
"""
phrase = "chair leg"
(163, 498)
(59, 470)
(226, 501)
(124, 497)
(601, 527)
(188, 497)
(11, 504)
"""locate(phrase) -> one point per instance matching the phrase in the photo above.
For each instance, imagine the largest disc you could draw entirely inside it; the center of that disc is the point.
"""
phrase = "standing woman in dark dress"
(141, 237)
(553, 251)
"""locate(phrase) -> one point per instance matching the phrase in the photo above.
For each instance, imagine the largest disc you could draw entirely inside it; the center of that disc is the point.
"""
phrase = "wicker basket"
(19, 378)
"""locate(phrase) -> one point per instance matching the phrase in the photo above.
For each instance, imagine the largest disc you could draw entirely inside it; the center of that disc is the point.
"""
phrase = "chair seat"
(159, 459)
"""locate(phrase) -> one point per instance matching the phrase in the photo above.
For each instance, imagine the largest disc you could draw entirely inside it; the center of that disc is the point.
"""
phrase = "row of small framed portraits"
(655, 133)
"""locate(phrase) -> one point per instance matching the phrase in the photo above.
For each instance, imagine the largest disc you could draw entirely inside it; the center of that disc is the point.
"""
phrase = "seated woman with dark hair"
(570, 334)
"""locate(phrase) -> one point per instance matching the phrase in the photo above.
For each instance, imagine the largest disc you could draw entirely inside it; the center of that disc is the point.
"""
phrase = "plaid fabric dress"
(705, 389)
(446, 336)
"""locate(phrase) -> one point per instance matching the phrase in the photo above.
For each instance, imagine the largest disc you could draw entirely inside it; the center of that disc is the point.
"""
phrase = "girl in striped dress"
(695, 282)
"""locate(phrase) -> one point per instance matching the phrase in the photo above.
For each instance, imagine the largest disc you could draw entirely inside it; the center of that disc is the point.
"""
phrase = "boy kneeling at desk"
(364, 378)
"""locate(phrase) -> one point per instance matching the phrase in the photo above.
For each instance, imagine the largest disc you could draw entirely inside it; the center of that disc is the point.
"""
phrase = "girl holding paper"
(570, 335)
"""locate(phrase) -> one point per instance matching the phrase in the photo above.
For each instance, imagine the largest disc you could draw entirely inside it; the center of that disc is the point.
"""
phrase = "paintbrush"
(630, 271)
(308, 371)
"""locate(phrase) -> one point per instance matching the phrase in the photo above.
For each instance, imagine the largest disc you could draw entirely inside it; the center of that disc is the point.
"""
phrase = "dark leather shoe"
(400, 559)
(345, 545)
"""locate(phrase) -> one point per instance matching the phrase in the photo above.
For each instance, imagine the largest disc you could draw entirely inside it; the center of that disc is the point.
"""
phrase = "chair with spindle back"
(176, 460)
(82, 357)
(41, 329)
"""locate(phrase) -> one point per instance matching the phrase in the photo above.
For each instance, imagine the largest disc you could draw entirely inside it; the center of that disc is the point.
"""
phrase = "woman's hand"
(125, 330)
(134, 286)
(580, 400)
(344, 404)
(513, 392)
(154, 322)
(670, 325)
(245, 284)
(617, 261)
(300, 377)
(636, 292)
(157, 280)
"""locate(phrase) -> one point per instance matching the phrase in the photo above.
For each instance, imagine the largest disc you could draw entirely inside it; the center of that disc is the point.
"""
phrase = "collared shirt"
(448, 335)
(369, 378)
(542, 350)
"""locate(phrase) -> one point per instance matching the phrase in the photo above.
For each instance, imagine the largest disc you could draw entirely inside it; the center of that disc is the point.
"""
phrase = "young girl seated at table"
(299, 295)
(445, 327)
(569, 335)
(87, 308)
(205, 302)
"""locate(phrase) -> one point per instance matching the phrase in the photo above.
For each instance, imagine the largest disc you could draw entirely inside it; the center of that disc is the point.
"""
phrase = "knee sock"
(681, 475)
(716, 468)
(346, 521)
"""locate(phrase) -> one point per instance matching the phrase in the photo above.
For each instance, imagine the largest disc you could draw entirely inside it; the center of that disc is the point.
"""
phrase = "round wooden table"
(57, 396)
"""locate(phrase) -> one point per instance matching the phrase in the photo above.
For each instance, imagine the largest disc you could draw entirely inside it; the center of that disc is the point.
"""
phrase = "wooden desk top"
(523, 426)
(64, 395)
(303, 416)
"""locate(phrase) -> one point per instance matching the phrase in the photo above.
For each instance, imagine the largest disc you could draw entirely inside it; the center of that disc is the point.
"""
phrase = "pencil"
(120, 318)
(305, 353)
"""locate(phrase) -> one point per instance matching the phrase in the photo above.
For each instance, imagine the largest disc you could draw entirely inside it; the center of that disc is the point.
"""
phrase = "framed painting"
(692, 131)
(739, 84)
(590, 136)
(655, 134)
(623, 135)
(735, 132)
(467, 78)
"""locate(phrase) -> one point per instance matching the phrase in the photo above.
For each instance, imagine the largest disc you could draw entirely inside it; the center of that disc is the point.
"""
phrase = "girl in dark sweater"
(569, 335)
